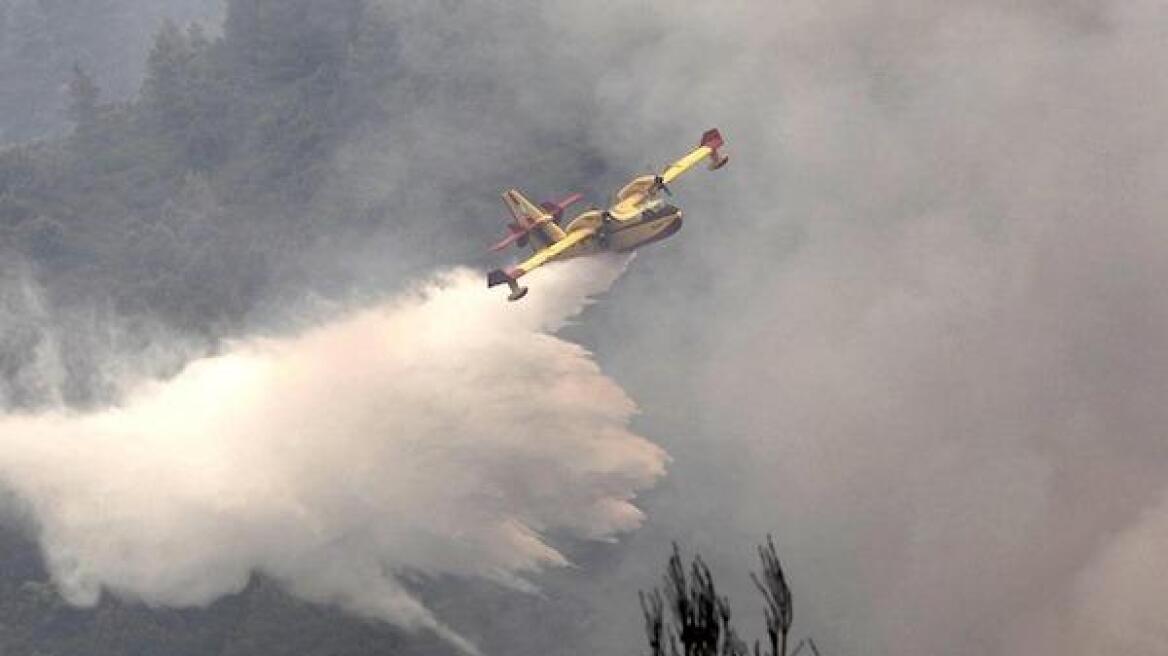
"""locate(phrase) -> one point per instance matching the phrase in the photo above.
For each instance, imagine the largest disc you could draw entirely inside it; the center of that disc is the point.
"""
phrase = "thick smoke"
(916, 328)
(442, 433)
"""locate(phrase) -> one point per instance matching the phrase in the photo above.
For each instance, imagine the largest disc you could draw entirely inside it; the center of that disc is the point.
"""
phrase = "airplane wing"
(550, 253)
(631, 199)
(541, 257)
(711, 142)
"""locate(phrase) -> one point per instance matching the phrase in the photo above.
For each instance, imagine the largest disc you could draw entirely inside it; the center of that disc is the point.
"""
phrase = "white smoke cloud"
(441, 433)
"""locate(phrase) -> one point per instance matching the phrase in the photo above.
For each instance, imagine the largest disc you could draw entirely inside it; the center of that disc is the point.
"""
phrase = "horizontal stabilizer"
(556, 208)
(515, 235)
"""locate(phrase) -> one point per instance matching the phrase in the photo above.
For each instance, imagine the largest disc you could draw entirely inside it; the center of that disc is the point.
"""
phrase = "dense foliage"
(147, 201)
(41, 41)
(256, 165)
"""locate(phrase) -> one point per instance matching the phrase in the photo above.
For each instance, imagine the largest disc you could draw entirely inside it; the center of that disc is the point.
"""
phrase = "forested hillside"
(278, 164)
(252, 168)
(41, 40)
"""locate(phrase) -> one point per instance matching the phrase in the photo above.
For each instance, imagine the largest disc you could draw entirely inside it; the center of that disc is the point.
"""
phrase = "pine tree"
(168, 77)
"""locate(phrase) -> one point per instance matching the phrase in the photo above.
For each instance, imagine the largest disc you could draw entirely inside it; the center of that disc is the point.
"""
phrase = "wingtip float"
(639, 216)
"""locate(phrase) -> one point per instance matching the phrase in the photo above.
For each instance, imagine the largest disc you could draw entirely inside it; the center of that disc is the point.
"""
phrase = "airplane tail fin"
(531, 222)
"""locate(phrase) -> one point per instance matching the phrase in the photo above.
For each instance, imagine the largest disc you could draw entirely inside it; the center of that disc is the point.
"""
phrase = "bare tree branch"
(779, 608)
(699, 620)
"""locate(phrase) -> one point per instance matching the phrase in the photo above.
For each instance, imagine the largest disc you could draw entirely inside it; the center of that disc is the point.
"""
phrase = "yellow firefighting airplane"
(638, 217)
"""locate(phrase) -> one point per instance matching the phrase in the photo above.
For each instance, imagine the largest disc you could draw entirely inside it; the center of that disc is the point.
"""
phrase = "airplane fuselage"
(652, 225)
(610, 233)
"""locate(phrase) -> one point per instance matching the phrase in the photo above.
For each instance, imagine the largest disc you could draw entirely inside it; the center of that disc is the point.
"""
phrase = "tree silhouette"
(779, 610)
(700, 618)
(698, 623)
